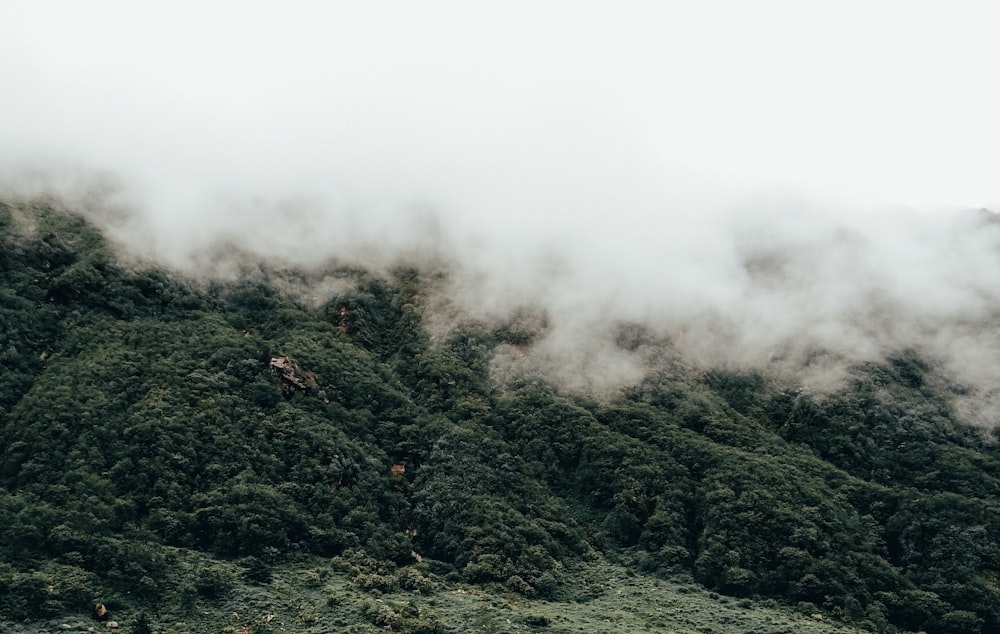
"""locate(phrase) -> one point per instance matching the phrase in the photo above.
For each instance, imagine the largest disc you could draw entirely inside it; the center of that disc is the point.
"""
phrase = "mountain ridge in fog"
(782, 284)
(732, 178)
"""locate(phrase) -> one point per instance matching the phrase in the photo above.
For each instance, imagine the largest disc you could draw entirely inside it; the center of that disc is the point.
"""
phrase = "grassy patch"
(319, 596)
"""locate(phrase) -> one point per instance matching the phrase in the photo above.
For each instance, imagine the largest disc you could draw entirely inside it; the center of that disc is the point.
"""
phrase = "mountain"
(237, 456)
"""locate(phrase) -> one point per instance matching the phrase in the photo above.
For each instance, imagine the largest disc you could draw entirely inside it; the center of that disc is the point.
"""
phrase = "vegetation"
(157, 458)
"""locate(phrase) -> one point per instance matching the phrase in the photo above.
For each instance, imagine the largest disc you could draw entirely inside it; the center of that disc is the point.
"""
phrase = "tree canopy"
(141, 411)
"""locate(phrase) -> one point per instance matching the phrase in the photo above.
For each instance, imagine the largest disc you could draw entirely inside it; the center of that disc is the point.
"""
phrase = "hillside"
(186, 451)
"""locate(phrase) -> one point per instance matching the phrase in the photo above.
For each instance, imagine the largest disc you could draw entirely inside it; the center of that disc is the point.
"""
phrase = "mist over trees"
(145, 415)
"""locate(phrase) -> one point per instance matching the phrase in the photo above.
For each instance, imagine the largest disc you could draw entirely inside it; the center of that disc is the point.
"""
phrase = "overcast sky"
(627, 149)
(881, 101)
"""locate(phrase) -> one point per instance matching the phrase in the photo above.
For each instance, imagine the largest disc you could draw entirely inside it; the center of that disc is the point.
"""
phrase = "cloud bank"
(764, 186)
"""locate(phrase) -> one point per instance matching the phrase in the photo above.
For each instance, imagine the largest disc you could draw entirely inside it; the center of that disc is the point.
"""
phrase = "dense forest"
(158, 433)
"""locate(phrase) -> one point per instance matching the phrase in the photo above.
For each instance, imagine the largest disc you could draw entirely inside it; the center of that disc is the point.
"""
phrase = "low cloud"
(706, 179)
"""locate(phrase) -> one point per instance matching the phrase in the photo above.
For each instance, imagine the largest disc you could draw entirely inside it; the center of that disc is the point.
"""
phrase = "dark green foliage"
(256, 570)
(142, 625)
(139, 414)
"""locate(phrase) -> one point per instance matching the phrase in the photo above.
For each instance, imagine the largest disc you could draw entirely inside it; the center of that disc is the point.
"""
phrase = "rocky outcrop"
(292, 377)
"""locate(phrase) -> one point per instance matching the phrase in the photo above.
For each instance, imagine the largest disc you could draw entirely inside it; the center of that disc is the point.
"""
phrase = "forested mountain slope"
(166, 441)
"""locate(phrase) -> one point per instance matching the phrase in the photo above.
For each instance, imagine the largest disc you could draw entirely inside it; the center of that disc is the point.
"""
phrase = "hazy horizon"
(756, 182)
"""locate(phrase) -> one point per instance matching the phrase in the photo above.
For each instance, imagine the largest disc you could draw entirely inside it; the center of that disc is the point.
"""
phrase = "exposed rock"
(342, 319)
(292, 377)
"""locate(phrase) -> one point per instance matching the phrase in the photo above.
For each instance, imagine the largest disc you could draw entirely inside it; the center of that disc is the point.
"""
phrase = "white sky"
(874, 101)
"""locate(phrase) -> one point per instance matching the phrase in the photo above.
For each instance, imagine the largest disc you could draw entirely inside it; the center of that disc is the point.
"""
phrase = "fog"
(769, 185)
